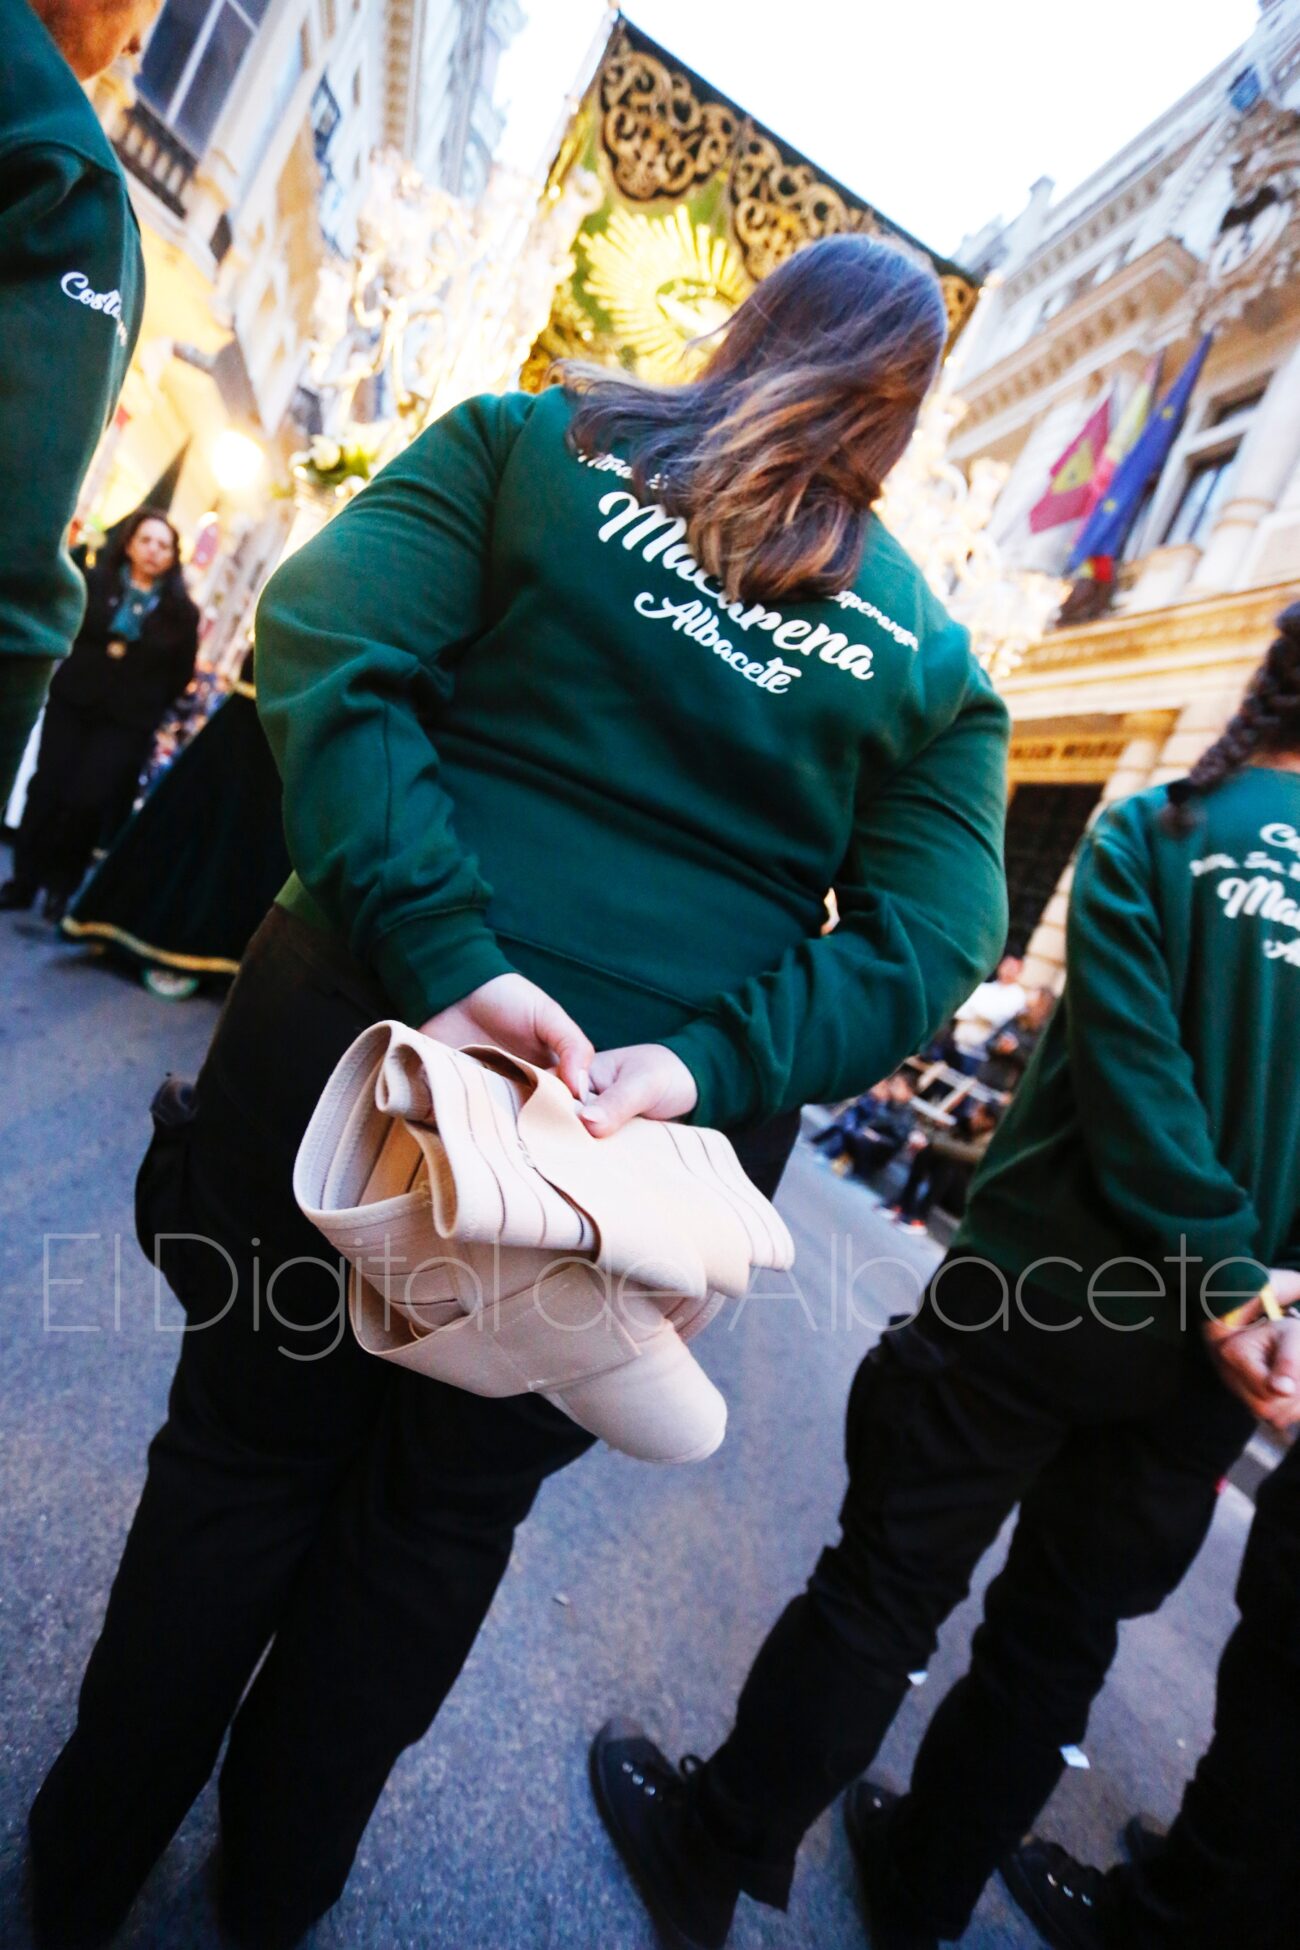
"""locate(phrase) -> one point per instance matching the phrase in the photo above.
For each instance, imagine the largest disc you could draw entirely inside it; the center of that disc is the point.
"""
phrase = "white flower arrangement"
(337, 467)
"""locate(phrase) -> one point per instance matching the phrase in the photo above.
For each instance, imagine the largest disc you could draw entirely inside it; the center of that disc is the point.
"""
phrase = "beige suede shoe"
(497, 1245)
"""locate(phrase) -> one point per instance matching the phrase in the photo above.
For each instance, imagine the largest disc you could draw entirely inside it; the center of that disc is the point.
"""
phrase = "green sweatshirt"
(1160, 1115)
(71, 295)
(519, 728)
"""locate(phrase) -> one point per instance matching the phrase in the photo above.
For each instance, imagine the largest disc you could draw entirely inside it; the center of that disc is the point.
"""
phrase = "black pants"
(1229, 1872)
(932, 1178)
(1113, 1446)
(82, 789)
(299, 1492)
(869, 1151)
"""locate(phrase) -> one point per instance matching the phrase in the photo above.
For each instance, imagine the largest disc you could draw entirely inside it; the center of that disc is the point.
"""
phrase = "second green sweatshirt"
(1152, 1153)
(519, 727)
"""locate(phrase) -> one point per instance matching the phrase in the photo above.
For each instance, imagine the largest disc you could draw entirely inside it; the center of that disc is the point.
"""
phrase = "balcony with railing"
(156, 155)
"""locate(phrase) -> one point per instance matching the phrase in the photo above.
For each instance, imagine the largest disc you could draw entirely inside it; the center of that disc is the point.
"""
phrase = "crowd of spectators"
(936, 1116)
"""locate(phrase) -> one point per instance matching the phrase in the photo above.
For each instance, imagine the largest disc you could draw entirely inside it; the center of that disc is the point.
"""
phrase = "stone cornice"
(1236, 621)
(1144, 290)
(1088, 226)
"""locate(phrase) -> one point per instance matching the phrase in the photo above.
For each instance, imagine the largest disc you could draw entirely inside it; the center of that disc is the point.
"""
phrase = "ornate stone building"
(1193, 227)
(442, 63)
(246, 130)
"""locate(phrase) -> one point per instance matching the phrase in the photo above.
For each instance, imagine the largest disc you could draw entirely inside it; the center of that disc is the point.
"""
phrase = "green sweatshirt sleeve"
(65, 230)
(923, 917)
(1145, 1128)
(357, 635)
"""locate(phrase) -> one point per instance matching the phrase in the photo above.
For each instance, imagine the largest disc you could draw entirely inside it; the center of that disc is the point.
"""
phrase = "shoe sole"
(669, 1933)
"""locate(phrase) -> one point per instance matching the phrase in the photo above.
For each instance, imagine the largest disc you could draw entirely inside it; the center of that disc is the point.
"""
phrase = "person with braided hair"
(1096, 1348)
(1227, 1865)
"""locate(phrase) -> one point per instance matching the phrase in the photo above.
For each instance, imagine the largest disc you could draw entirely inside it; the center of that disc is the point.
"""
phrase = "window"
(1203, 495)
(1135, 543)
(1229, 408)
(325, 113)
(192, 59)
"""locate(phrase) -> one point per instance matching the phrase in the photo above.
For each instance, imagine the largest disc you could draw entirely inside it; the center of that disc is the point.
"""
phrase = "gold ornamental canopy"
(691, 203)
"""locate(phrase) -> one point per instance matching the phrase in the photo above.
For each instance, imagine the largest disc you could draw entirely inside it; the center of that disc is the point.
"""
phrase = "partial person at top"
(71, 299)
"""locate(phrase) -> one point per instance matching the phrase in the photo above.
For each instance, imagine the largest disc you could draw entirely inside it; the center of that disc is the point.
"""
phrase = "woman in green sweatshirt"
(71, 300)
(580, 709)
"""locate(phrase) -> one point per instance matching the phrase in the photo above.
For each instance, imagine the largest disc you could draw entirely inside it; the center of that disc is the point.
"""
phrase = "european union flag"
(1106, 530)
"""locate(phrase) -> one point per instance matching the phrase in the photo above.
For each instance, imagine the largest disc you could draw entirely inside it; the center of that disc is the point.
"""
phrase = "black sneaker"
(1061, 1897)
(645, 1803)
(16, 896)
(868, 1817)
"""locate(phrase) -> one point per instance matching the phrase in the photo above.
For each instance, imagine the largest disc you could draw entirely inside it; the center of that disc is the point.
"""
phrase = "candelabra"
(941, 517)
(440, 300)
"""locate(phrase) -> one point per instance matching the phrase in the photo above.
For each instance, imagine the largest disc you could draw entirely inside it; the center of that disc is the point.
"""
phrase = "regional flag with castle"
(1108, 526)
(1069, 488)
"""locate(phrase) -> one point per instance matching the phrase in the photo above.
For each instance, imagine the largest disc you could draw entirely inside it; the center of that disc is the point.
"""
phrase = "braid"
(1267, 720)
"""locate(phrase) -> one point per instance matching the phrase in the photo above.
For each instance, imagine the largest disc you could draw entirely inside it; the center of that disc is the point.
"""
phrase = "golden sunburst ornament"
(663, 281)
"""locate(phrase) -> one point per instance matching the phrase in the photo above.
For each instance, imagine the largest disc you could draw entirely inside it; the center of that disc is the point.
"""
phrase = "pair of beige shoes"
(496, 1244)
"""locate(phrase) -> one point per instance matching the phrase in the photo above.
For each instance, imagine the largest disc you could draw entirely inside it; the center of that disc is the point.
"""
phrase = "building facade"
(246, 130)
(1192, 228)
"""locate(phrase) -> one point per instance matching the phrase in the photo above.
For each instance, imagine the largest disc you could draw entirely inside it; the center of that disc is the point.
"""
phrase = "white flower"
(325, 453)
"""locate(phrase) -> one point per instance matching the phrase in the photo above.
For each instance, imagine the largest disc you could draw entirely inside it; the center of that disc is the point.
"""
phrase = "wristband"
(1241, 1316)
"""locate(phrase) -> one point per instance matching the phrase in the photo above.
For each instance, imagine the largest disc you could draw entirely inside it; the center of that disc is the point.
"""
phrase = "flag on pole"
(1131, 423)
(1070, 480)
(1103, 535)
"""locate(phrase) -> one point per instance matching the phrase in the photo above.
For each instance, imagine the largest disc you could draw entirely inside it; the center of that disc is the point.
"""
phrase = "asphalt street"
(631, 1588)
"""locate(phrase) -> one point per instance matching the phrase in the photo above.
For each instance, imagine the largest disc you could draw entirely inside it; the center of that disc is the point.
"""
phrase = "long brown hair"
(775, 453)
(1268, 720)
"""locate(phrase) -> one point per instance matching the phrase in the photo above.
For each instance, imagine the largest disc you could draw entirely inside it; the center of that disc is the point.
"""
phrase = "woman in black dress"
(133, 655)
(189, 878)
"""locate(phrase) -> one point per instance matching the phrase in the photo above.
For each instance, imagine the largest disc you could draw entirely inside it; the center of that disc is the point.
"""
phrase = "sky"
(941, 113)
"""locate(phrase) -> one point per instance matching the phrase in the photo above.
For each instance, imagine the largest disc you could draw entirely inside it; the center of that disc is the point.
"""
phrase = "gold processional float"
(697, 203)
(664, 207)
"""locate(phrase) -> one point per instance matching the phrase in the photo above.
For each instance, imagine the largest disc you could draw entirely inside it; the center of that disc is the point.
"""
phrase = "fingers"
(628, 1096)
(605, 1067)
(1286, 1284)
(1261, 1365)
(1244, 1365)
(561, 1037)
(1284, 1373)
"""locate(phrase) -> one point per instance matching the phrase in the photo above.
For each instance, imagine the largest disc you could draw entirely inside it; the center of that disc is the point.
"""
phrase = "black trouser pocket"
(163, 1211)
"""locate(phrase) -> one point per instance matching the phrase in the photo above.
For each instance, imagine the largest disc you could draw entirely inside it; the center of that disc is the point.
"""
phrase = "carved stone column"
(1265, 460)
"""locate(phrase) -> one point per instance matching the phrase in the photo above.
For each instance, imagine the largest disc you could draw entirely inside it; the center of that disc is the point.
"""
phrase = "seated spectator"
(943, 1168)
(1013, 1045)
(874, 1127)
(993, 1004)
